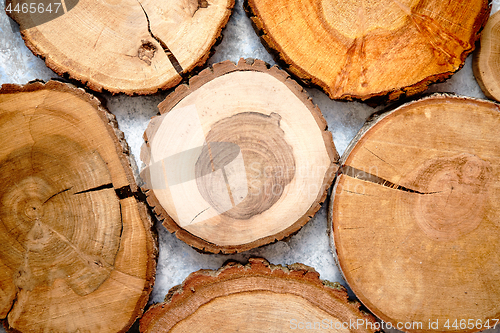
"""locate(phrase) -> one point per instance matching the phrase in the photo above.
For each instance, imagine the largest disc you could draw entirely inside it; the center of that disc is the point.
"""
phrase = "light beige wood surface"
(415, 213)
(77, 250)
(486, 64)
(257, 297)
(363, 49)
(238, 159)
(129, 46)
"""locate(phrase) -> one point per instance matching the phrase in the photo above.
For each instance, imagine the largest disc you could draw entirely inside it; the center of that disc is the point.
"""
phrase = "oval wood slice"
(257, 297)
(363, 49)
(415, 214)
(77, 250)
(486, 65)
(239, 158)
(125, 46)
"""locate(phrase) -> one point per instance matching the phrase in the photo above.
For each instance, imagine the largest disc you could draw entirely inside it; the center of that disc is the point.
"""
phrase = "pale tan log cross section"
(415, 215)
(77, 251)
(257, 297)
(485, 64)
(369, 48)
(125, 46)
(239, 158)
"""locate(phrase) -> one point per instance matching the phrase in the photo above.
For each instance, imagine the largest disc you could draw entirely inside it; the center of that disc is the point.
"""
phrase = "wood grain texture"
(415, 213)
(257, 297)
(364, 49)
(77, 253)
(486, 64)
(127, 46)
(238, 159)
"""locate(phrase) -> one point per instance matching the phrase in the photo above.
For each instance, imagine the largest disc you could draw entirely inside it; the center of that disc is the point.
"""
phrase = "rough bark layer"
(127, 46)
(486, 64)
(363, 49)
(77, 250)
(257, 297)
(238, 159)
(415, 214)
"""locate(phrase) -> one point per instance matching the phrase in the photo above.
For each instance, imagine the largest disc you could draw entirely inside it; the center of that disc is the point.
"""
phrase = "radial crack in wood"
(486, 63)
(436, 244)
(126, 46)
(74, 255)
(171, 57)
(363, 175)
(365, 49)
(238, 159)
(257, 297)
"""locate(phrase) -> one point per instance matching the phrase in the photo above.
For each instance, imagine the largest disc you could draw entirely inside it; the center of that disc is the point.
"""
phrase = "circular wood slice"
(257, 297)
(77, 250)
(415, 214)
(486, 63)
(238, 159)
(364, 49)
(125, 46)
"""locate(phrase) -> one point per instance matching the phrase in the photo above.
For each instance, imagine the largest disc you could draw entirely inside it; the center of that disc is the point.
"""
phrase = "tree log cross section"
(365, 49)
(257, 297)
(485, 63)
(238, 159)
(124, 46)
(77, 253)
(415, 214)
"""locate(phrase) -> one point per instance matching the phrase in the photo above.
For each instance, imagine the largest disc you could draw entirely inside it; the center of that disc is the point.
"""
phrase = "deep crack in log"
(363, 175)
(96, 189)
(164, 46)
